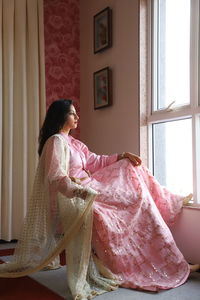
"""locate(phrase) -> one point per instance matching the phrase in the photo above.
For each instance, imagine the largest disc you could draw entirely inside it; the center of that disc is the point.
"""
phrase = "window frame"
(172, 112)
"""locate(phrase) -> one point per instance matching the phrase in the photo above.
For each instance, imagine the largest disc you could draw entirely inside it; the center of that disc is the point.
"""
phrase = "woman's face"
(72, 119)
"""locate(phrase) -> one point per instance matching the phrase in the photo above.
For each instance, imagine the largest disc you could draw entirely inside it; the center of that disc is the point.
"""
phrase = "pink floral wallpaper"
(62, 55)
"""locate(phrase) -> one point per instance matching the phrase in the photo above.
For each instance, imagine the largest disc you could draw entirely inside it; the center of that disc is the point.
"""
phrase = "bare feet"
(194, 268)
(187, 199)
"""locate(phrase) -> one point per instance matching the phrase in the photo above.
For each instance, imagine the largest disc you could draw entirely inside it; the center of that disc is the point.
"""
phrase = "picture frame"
(102, 88)
(103, 30)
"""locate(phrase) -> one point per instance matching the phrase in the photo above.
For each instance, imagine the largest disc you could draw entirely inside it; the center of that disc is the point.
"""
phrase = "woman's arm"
(56, 173)
(95, 162)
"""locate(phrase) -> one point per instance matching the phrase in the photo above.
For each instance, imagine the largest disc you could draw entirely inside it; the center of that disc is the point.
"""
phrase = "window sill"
(192, 206)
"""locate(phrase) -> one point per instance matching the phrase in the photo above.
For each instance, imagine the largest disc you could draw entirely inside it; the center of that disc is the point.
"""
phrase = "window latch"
(168, 108)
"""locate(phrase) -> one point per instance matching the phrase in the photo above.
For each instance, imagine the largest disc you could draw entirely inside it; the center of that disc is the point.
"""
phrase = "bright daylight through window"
(174, 93)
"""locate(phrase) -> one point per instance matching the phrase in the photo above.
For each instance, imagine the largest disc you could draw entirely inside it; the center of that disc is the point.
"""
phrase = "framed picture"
(102, 88)
(103, 30)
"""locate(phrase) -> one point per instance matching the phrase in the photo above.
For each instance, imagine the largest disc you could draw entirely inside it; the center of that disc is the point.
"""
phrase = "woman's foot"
(194, 268)
(187, 199)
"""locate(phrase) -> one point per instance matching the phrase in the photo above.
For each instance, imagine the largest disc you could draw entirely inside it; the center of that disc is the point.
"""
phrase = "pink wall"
(186, 233)
(62, 52)
(113, 129)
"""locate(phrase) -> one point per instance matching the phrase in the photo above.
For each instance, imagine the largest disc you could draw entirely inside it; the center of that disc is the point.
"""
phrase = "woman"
(121, 238)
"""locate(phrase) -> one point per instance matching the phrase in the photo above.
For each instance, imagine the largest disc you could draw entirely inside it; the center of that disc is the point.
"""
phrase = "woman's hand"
(85, 192)
(136, 160)
(81, 193)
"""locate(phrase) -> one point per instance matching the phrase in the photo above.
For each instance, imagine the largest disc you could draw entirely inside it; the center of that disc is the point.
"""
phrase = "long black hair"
(56, 117)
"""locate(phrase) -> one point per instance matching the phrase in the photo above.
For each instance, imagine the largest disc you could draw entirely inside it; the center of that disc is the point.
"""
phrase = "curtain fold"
(1, 113)
(22, 106)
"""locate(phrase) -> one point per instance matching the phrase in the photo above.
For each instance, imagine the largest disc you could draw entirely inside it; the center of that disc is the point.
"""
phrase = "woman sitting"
(112, 211)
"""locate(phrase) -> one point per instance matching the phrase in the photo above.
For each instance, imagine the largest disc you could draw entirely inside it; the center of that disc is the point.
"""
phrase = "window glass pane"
(173, 49)
(172, 155)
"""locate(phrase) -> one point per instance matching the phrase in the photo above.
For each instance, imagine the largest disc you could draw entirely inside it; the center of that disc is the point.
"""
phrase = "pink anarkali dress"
(131, 217)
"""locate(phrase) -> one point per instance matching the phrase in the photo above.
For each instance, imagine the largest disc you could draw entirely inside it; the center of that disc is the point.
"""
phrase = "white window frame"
(172, 113)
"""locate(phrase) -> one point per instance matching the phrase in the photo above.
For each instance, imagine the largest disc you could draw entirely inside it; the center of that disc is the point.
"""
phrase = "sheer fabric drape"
(22, 106)
(53, 224)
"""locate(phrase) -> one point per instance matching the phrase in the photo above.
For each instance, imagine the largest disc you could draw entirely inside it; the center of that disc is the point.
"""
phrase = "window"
(174, 95)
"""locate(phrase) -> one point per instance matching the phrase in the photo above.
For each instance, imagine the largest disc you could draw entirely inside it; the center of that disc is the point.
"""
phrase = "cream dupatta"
(40, 241)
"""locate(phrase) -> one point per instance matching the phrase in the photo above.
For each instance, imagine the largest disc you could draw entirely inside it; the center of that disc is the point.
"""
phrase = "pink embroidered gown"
(131, 214)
